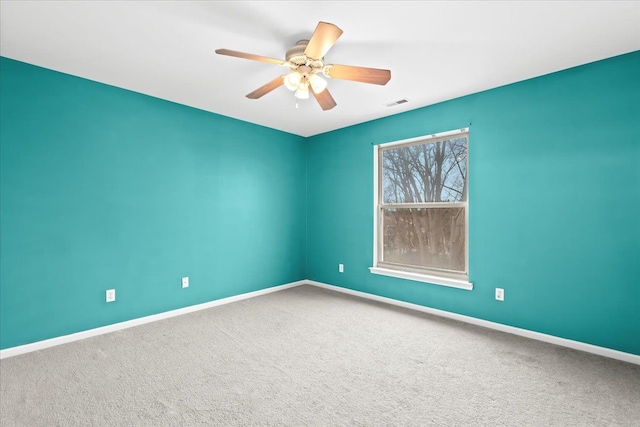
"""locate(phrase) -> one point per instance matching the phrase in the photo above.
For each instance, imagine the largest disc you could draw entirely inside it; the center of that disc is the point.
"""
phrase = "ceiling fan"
(305, 62)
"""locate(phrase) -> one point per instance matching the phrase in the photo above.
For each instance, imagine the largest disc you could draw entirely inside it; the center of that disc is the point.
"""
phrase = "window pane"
(431, 172)
(432, 238)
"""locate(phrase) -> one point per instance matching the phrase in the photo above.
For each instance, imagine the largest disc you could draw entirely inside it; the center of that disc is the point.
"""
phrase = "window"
(421, 209)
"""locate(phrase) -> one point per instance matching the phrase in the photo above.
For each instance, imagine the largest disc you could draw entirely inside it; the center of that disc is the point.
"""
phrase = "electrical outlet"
(341, 268)
(185, 282)
(111, 295)
(500, 294)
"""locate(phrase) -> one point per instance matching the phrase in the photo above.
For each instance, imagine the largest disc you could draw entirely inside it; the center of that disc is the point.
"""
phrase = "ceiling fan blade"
(263, 90)
(325, 99)
(249, 56)
(322, 39)
(375, 76)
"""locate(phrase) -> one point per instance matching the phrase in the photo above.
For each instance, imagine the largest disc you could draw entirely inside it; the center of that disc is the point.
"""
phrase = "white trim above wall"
(576, 345)
(425, 137)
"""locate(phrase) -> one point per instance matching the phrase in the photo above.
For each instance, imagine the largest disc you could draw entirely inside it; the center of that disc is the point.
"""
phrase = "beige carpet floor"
(311, 357)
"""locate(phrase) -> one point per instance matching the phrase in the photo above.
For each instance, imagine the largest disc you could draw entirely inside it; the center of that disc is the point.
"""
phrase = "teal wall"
(554, 166)
(105, 188)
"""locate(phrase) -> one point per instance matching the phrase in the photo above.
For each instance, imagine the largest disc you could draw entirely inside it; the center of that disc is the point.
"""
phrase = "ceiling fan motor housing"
(296, 56)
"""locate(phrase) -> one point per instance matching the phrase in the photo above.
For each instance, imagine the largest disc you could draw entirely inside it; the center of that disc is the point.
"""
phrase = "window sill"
(435, 280)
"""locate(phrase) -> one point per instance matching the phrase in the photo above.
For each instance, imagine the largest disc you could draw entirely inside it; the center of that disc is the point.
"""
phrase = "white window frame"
(457, 280)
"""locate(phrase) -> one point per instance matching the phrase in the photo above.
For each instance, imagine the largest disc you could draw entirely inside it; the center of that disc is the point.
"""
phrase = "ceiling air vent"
(394, 103)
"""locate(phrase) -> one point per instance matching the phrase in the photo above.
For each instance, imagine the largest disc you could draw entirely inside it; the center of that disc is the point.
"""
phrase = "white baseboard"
(576, 345)
(39, 345)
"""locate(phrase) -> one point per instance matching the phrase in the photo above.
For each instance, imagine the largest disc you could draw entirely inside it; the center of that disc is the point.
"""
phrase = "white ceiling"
(435, 50)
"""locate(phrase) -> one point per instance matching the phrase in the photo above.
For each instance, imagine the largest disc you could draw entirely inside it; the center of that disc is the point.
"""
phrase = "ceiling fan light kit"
(302, 92)
(305, 62)
(292, 80)
(318, 84)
